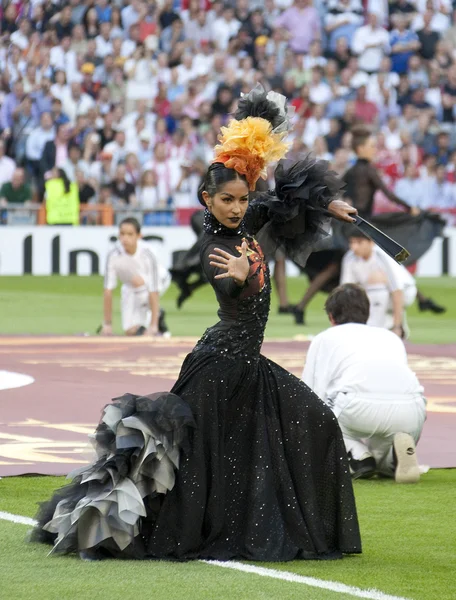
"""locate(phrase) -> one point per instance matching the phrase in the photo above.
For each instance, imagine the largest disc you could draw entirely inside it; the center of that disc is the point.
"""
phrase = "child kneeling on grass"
(143, 280)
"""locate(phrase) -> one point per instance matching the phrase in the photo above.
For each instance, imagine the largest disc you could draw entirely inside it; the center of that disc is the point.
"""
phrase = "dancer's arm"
(380, 185)
(217, 269)
(107, 313)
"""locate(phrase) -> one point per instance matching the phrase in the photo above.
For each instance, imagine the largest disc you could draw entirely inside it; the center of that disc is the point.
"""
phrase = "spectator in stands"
(64, 58)
(117, 148)
(147, 192)
(25, 122)
(343, 18)
(402, 9)
(16, 191)
(62, 199)
(438, 193)
(404, 43)
(449, 35)
(449, 96)
(55, 150)
(410, 186)
(370, 43)
(73, 162)
(86, 191)
(302, 23)
(365, 110)
(9, 105)
(106, 68)
(35, 145)
(427, 36)
(417, 74)
(224, 28)
(123, 192)
(439, 21)
(76, 102)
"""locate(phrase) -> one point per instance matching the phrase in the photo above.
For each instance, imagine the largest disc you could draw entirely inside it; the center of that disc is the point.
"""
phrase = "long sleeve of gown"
(294, 217)
(223, 287)
(379, 184)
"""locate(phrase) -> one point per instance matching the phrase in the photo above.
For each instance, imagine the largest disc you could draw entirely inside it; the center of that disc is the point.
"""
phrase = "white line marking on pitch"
(332, 586)
(16, 519)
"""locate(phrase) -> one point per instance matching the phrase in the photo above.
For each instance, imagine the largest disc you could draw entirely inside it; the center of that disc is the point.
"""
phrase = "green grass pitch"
(409, 550)
(73, 305)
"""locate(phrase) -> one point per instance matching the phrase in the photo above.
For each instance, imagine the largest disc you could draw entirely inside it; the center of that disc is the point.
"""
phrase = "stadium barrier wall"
(35, 250)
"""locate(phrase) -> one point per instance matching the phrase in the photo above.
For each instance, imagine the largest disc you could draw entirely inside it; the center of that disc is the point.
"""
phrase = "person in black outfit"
(402, 8)
(428, 38)
(187, 271)
(363, 180)
(449, 96)
(241, 459)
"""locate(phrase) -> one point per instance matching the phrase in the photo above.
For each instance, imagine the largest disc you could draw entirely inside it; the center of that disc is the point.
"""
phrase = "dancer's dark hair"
(216, 177)
(348, 303)
(360, 133)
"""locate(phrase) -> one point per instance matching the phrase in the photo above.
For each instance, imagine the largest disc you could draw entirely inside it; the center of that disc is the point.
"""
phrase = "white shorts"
(135, 308)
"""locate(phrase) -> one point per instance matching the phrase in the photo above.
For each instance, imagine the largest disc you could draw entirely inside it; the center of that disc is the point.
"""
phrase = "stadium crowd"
(123, 100)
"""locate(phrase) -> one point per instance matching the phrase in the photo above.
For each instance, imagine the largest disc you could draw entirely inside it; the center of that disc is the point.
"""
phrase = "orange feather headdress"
(248, 146)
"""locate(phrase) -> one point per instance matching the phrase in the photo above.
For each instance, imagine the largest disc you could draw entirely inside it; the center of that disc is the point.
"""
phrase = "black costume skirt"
(241, 460)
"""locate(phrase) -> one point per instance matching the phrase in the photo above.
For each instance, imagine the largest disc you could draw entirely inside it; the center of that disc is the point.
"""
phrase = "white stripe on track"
(332, 586)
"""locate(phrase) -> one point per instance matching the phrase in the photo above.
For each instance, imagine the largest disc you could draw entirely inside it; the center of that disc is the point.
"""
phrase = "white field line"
(332, 586)
(17, 519)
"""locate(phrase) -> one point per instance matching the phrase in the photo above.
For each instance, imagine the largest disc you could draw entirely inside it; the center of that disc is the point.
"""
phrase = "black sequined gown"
(241, 460)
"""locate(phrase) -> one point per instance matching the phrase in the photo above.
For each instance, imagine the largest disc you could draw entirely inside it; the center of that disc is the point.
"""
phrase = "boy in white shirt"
(389, 286)
(142, 279)
(362, 373)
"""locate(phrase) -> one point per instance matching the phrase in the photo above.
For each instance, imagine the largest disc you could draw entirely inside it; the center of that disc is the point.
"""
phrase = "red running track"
(44, 425)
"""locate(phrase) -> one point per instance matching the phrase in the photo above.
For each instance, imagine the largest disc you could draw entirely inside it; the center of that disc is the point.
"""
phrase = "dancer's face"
(229, 204)
(361, 247)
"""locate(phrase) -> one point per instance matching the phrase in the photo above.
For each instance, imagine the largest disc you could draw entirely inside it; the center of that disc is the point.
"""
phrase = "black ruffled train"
(241, 459)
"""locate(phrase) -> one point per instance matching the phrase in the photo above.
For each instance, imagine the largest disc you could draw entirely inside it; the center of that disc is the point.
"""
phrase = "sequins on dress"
(247, 463)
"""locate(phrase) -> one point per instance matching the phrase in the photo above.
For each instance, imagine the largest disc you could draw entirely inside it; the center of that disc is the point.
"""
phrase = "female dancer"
(241, 459)
(415, 230)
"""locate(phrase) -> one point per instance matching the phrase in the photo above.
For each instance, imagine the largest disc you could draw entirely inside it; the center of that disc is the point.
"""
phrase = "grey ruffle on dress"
(138, 444)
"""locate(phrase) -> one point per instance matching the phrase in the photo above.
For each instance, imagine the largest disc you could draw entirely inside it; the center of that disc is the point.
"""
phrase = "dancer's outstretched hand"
(235, 267)
(342, 210)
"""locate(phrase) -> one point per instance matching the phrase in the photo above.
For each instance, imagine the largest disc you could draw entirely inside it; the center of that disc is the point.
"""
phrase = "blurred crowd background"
(119, 103)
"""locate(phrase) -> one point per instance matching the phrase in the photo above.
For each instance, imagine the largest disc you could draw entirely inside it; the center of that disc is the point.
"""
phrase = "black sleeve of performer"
(294, 217)
(379, 184)
(223, 287)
